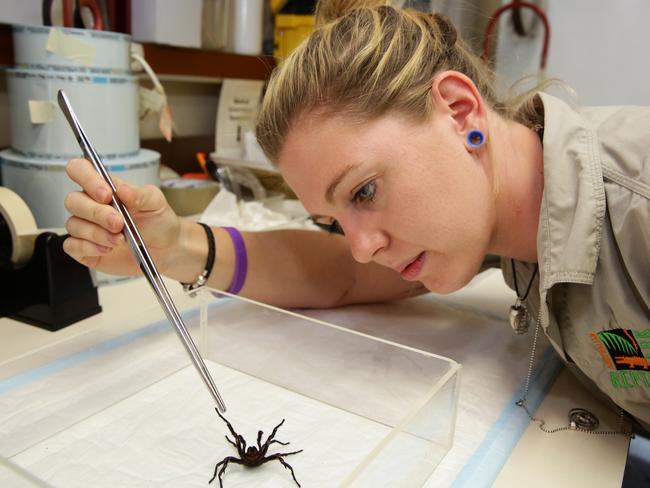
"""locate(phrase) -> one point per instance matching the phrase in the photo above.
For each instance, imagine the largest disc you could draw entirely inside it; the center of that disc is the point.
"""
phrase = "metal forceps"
(141, 253)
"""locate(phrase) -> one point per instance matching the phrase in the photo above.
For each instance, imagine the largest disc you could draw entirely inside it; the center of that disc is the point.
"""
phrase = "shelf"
(170, 60)
(178, 61)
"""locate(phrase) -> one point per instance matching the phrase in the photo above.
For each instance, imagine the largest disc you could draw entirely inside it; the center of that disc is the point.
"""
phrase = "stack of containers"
(94, 69)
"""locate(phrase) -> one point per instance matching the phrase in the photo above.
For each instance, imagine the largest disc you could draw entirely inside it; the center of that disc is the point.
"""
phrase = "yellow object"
(276, 5)
(291, 30)
(67, 45)
(20, 222)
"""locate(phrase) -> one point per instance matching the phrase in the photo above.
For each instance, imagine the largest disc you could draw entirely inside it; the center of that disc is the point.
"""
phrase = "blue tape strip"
(489, 458)
(59, 365)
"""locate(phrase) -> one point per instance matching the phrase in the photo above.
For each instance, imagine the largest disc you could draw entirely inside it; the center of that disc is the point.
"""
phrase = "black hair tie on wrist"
(209, 264)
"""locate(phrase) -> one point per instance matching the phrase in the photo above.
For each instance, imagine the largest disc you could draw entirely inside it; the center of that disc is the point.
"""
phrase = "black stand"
(51, 291)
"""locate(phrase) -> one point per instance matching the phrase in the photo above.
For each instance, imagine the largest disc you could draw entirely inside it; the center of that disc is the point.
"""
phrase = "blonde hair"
(366, 59)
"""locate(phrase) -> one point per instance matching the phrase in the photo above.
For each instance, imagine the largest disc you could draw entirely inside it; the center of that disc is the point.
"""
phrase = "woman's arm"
(290, 268)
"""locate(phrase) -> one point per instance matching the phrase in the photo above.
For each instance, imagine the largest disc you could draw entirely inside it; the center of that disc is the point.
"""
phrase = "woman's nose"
(365, 241)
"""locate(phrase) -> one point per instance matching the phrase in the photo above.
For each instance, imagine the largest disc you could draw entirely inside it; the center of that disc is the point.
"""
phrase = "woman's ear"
(455, 94)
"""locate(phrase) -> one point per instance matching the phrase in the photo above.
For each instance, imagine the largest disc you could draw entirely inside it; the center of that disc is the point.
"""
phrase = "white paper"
(275, 213)
(162, 437)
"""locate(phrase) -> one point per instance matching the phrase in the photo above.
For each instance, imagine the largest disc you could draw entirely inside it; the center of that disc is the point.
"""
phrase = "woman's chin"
(446, 286)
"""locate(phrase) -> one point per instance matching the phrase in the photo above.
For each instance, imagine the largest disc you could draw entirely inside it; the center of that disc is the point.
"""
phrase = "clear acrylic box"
(119, 407)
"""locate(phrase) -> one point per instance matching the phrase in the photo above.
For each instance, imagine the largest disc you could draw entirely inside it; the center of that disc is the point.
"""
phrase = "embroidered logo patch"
(627, 352)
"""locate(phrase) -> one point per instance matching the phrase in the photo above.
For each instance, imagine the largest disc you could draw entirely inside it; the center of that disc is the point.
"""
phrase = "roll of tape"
(20, 223)
(187, 196)
(32, 103)
(71, 50)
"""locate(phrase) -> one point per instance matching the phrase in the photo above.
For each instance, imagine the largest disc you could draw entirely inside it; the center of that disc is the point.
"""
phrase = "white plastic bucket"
(107, 106)
(43, 184)
(71, 50)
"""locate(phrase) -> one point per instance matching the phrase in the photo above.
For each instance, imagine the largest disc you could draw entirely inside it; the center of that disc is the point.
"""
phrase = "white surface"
(167, 22)
(20, 11)
(157, 438)
(573, 457)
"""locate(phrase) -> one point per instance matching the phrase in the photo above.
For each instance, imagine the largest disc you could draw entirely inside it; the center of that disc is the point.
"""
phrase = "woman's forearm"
(287, 268)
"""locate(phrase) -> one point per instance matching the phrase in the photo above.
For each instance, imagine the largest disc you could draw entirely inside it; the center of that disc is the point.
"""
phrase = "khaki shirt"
(593, 247)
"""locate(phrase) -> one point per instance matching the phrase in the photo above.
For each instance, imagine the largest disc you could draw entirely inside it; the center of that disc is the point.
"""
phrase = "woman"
(389, 131)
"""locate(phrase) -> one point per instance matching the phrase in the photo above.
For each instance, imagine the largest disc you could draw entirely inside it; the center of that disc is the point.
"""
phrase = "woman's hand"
(95, 226)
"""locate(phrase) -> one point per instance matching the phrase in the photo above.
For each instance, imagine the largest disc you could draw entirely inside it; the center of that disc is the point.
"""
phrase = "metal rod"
(136, 243)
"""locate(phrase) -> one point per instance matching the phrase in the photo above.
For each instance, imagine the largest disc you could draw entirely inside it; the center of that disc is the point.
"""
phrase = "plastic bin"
(126, 408)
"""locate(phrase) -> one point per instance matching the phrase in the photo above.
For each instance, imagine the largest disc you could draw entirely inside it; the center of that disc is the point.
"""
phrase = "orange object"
(195, 176)
(633, 361)
(200, 157)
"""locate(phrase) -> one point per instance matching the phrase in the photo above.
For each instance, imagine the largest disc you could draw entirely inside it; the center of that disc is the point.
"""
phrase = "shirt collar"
(573, 202)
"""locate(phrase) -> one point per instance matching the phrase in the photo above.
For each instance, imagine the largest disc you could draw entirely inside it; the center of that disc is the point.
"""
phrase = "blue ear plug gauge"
(475, 138)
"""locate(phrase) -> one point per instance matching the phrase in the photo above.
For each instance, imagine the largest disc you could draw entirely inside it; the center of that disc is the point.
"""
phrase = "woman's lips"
(413, 269)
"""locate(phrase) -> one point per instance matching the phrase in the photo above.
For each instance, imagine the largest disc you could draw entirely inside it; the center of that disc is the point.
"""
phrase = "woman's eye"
(366, 193)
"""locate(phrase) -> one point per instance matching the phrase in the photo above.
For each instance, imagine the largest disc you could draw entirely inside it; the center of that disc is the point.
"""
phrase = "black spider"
(252, 456)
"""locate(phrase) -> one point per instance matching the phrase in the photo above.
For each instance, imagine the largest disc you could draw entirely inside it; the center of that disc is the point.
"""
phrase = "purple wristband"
(241, 261)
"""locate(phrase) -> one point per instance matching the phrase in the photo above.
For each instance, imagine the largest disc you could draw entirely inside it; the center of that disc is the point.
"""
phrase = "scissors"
(141, 253)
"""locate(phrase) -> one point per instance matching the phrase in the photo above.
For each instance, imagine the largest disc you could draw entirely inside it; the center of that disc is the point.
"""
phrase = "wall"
(597, 46)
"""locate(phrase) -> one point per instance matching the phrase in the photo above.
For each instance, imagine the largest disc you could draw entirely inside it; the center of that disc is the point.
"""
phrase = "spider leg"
(232, 431)
(242, 443)
(284, 454)
(274, 431)
(284, 463)
(279, 442)
(225, 462)
(259, 439)
(231, 441)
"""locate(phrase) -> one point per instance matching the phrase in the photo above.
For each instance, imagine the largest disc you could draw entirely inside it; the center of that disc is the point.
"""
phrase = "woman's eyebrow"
(329, 193)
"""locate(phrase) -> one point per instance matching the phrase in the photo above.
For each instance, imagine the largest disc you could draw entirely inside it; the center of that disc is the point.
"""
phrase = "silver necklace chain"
(580, 419)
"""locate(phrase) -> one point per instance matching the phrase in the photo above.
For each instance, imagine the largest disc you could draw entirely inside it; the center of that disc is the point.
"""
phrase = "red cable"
(487, 39)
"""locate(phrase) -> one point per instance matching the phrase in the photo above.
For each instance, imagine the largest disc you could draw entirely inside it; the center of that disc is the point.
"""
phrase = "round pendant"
(579, 418)
(519, 318)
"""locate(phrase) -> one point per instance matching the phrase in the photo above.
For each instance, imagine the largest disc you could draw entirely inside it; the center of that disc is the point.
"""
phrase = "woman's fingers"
(83, 173)
(83, 250)
(146, 198)
(82, 229)
(79, 204)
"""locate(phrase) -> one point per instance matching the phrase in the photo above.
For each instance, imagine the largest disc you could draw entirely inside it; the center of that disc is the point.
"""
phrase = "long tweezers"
(141, 253)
